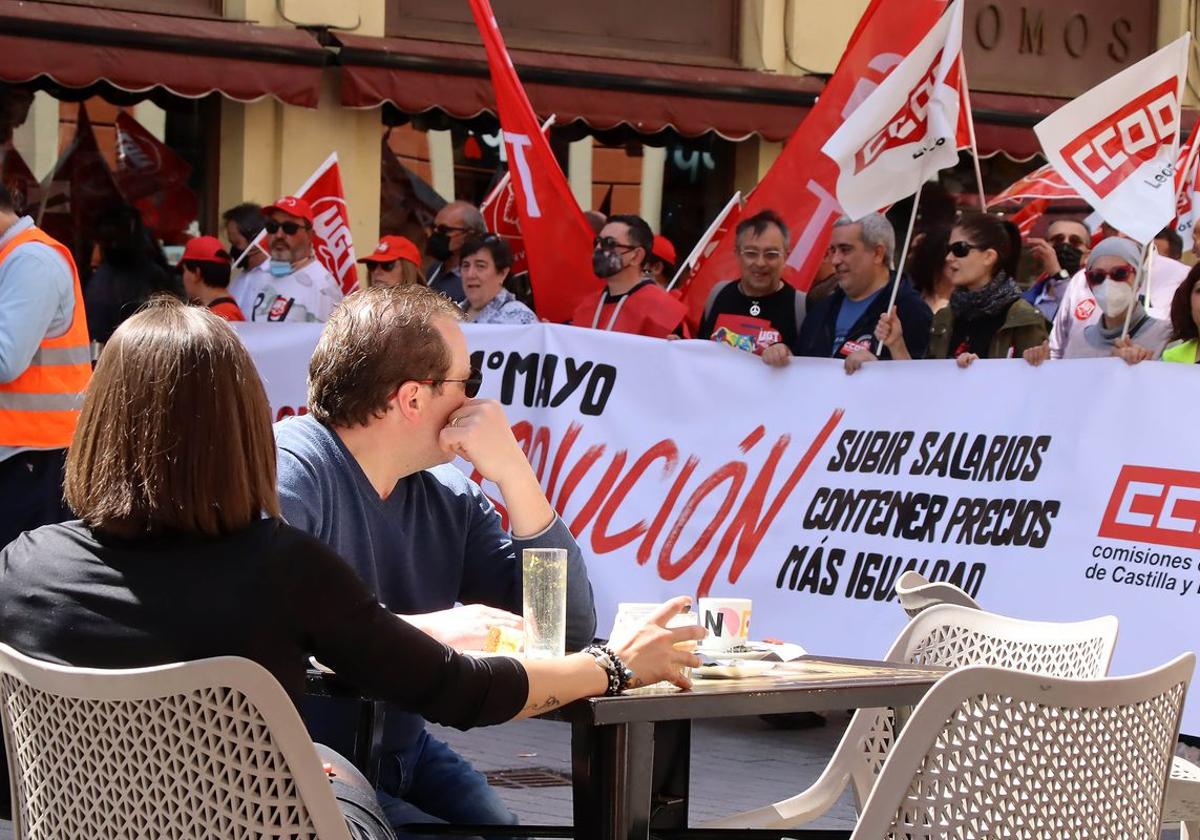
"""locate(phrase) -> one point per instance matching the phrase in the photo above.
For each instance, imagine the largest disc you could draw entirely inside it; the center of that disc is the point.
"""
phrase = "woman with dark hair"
(485, 262)
(180, 553)
(927, 268)
(986, 317)
(1185, 321)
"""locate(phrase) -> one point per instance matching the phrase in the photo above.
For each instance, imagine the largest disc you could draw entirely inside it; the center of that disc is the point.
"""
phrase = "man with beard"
(454, 224)
(292, 285)
(629, 302)
(243, 223)
(759, 312)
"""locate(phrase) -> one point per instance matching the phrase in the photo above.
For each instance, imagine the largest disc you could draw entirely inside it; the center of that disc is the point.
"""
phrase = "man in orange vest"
(45, 365)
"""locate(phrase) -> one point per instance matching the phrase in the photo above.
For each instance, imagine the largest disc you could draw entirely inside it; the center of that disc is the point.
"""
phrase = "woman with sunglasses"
(987, 317)
(1110, 275)
(180, 553)
(396, 261)
(484, 263)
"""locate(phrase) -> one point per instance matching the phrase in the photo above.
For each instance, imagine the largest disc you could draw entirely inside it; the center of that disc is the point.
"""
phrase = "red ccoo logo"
(1154, 505)
(908, 125)
(1105, 154)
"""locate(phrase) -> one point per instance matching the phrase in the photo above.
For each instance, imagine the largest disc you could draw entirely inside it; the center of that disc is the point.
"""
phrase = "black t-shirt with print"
(753, 322)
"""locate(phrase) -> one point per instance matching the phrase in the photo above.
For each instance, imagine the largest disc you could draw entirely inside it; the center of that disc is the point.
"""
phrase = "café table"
(631, 754)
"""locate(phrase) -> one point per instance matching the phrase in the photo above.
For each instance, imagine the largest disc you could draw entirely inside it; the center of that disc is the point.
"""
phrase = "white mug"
(727, 621)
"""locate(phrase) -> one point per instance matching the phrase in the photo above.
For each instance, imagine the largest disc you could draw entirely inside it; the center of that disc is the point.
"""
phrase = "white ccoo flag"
(1118, 143)
(906, 129)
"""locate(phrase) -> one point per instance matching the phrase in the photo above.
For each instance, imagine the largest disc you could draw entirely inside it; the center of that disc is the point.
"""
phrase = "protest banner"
(810, 492)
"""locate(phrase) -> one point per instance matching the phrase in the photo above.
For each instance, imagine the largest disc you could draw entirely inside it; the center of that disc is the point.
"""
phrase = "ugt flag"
(333, 246)
(558, 239)
(907, 128)
(1117, 144)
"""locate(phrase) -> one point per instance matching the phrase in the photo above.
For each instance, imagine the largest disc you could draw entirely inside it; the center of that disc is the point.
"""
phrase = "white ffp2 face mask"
(1114, 297)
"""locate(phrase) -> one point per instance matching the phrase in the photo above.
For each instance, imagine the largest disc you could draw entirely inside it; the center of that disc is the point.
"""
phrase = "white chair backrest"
(204, 749)
(956, 637)
(991, 752)
(916, 594)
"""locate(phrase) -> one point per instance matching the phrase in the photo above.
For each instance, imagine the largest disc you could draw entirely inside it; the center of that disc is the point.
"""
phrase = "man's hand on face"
(466, 627)
(478, 432)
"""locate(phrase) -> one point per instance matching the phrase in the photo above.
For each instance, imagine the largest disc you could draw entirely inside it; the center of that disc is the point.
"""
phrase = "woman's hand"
(651, 652)
(965, 360)
(1036, 355)
(1124, 348)
(890, 333)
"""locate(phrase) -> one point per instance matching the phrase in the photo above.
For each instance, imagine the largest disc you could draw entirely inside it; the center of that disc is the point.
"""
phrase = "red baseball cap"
(205, 249)
(297, 207)
(394, 248)
(663, 249)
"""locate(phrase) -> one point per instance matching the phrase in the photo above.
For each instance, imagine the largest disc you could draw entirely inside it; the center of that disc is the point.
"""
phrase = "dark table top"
(811, 683)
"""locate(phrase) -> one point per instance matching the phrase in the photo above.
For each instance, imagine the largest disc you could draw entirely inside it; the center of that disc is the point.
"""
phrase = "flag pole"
(1137, 286)
(912, 221)
(962, 75)
(704, 240)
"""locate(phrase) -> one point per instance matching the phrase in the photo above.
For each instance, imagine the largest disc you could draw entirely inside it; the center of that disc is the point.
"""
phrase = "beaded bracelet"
(619, 676)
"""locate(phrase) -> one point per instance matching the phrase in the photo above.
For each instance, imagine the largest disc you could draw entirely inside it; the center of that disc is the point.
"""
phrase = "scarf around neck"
(992, 299)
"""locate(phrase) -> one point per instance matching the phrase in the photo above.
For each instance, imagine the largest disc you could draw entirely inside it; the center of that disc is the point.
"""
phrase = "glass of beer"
(544, 585)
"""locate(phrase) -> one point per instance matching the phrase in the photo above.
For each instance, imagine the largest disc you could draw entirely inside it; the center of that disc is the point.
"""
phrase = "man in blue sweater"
(391, 401)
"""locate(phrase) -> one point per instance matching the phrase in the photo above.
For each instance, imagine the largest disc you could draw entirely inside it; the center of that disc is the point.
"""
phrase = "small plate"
(732, 669)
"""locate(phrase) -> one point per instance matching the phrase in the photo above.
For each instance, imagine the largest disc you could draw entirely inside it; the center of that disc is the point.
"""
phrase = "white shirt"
(1079, 307)
(308, 294)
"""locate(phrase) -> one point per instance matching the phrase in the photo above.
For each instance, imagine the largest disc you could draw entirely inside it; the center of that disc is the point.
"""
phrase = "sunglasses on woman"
(290, 228)
(1121, 273)
(385, 266)
(961, 248)
(470, 385)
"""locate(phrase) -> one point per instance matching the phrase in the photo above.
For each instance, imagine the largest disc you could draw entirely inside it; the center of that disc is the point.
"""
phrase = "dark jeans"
(365, 820)
(31, 492)
(429, 782)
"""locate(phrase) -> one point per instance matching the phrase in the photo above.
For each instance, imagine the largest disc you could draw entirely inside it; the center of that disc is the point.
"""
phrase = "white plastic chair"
(916, 594)
(953, 637)
(203, 749)
(995, 753)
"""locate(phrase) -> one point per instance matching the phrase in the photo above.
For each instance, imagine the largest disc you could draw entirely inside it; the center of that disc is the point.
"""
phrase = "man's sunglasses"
(1073, 241)
(470, 385)
(290, 228)
(962, 247)
(609, 243)
(1121, 273)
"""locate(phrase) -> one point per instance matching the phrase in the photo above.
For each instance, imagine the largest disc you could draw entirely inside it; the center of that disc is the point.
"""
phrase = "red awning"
(648, 97)
(88, 49)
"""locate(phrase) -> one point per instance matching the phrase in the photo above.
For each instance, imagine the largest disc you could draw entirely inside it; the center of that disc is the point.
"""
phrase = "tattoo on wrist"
(550, 703)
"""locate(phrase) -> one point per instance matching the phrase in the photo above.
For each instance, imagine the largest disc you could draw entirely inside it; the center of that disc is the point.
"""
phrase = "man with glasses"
(843, 324)
(454, 224)
(292, 285)
(629, 301)
(1060, 255)
(391, 398)
(759, 312)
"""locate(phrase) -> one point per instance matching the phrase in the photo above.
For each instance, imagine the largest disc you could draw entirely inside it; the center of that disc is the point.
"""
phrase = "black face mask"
(438, 246)
(606, 263)
(1069, 257)
(235, 254)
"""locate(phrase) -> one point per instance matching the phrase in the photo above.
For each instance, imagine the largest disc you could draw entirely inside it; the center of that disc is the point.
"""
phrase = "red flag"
(19, 181)
(333, 245)
(500, 215)
(801, 185)
(557, 236)
(1043, 182)
(79, 190)
(1027, 217)
(154, 179)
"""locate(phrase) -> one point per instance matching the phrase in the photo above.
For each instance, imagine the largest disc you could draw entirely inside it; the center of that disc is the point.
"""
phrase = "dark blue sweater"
(435, 541)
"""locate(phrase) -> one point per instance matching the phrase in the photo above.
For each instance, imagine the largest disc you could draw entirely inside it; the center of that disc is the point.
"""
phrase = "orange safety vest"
(39, 409)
